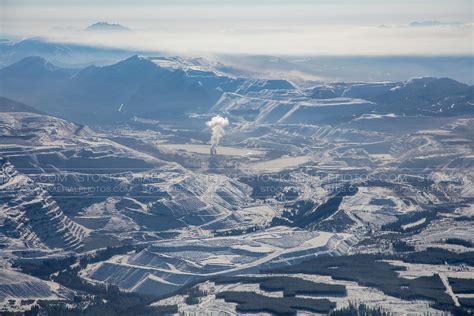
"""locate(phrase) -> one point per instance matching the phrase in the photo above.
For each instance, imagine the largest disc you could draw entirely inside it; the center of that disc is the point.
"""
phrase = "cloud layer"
(338, 27)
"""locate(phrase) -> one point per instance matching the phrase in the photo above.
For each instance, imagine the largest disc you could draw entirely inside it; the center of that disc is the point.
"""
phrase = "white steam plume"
(217, 124)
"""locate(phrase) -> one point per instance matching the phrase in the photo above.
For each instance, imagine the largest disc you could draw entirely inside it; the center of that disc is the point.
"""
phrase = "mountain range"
(112, 200)
(157, 89)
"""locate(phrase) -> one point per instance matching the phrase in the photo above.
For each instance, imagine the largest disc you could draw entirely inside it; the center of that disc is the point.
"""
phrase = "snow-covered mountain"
(161, 88)
(136, 86)
(32, 217)
(107, 27)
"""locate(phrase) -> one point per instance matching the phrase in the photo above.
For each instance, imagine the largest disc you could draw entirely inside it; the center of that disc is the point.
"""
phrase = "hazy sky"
(301, 27)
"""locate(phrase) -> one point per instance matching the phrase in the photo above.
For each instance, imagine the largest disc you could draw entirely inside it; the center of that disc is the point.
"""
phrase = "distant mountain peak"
(442, 82)
(105, 26)
(136, 60)
(433, 23)
(34, 63)
(33, 59)
(8, 105)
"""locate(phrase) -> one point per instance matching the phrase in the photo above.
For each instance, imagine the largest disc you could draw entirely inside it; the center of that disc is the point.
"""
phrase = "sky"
(278, 27)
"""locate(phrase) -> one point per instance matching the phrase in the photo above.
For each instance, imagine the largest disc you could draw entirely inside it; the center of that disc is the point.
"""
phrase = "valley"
(110, 191)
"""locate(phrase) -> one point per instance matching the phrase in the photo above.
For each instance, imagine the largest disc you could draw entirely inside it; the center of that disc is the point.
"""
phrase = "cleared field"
(279, 164)
(221, 150)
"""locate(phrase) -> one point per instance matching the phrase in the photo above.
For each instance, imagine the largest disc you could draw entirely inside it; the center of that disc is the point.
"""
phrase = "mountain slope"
(155, 88)
(32, 80)
(29, 215)
(64, 54)
(8, 105)
(427, 96)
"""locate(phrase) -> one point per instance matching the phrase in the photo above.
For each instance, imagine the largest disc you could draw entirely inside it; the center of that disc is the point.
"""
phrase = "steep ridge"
(30, 215)
(427, 96)
(343, 102)
(7, 105)
(165, 266)
(16, 285)
(37, 76)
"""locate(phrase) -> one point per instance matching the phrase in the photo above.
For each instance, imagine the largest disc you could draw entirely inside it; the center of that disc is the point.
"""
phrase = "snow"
(219, 260)
(178, 261)
(414, 224)
(205, 149)
(375, 206)
(375, 116)
(279, 164)
(255, 216)
(16, 285)
(441, 229)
